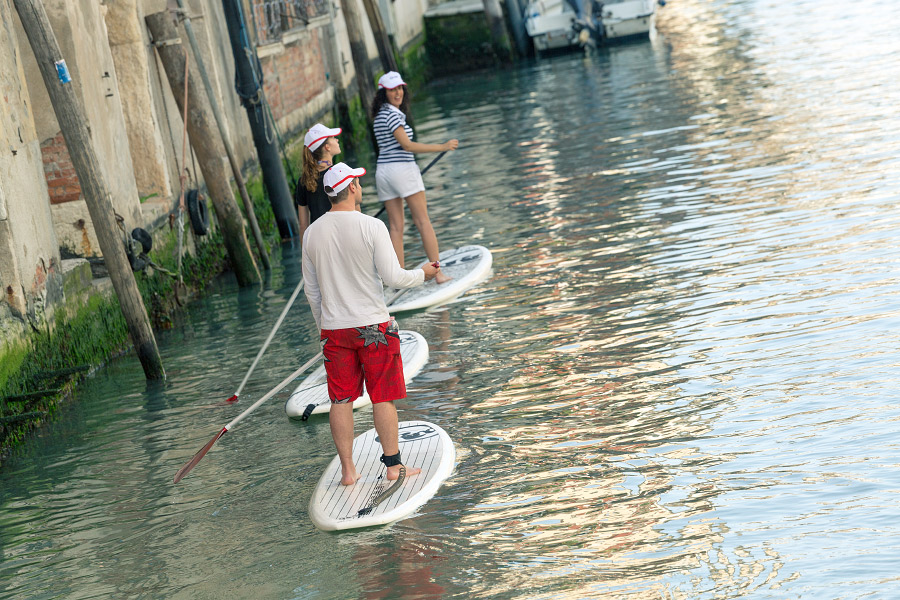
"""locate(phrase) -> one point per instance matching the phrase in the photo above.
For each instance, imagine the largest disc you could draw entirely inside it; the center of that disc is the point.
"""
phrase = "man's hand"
(431, 270)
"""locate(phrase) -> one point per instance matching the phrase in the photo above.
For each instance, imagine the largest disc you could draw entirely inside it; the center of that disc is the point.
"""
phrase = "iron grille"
(275, 17)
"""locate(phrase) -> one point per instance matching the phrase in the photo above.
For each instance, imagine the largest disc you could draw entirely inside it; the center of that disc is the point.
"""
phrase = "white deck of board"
(334, 506)
(467, 265)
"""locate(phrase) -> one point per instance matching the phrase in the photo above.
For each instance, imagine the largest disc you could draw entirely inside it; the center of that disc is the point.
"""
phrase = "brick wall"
(62, 182)
(296, 75)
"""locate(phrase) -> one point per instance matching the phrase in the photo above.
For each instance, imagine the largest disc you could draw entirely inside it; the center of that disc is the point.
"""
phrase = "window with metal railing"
(273, 18)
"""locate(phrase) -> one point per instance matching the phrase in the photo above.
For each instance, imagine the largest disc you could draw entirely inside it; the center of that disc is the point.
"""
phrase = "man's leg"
(385, 416)
(341, 421)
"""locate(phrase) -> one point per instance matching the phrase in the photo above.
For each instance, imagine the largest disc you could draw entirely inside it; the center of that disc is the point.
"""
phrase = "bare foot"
(394, 472)
(441, 277)
(350, 478)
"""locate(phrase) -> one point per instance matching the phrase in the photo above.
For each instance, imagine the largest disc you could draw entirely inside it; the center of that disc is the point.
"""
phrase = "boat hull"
(551, 23)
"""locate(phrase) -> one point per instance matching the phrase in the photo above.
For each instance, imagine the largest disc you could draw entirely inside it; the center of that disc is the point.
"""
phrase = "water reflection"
(679, 382)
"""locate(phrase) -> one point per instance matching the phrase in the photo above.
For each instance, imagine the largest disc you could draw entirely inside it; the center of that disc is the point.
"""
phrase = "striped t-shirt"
(387, 120)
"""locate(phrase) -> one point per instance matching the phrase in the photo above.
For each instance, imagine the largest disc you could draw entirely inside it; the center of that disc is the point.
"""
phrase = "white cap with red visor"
(317, 135)
(339, 177)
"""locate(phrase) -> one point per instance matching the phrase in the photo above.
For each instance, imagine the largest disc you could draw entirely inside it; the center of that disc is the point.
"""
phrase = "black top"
(317, 201)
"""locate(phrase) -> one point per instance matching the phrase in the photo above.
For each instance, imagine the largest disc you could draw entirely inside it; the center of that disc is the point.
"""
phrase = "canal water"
(681, 380)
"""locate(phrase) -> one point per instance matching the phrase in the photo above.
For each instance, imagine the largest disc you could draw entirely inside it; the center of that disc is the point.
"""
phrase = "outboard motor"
(588, 25)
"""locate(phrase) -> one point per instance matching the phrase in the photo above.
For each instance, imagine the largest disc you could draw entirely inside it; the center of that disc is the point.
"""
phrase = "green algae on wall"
(413, 63)
(459, 42)
(40, 372)
(53, 359)
(356, 124)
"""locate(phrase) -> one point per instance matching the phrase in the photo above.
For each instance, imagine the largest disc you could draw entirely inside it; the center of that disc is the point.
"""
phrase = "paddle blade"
(232, 399)
(198, 457)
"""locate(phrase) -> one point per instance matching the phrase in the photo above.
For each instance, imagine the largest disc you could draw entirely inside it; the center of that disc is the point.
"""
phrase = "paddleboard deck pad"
(467, 266)
(422, 444)
(311, 396)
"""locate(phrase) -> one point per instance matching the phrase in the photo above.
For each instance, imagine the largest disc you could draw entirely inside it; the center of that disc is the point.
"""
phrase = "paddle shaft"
(396, 295)
(268, 340)
(274, 391)
(202, 452)
(425, 170)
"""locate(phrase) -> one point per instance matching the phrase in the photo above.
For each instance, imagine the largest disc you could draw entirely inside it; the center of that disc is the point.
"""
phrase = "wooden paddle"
(425, 170)
(199, 456)
(268, 340)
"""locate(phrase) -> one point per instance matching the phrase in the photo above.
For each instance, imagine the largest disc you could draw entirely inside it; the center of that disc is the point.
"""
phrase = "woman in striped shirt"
(397, 177)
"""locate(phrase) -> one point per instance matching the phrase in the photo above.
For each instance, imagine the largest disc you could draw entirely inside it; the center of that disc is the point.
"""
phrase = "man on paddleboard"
(347, 259)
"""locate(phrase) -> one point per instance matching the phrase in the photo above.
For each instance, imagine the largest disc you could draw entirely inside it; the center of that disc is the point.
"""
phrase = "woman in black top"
(320, 145)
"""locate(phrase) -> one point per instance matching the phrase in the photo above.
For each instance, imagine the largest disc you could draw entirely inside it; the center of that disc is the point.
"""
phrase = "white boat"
(554, 24)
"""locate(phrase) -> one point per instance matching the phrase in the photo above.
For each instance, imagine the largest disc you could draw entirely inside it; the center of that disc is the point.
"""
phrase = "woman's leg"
(394, 210)
(418, 208)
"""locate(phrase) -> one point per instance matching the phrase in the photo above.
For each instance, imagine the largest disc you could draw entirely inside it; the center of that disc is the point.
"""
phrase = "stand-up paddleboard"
(311, 396)
(370, 500)
(467, 266)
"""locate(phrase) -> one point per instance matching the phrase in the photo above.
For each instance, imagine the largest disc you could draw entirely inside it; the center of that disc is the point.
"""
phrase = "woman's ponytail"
(310, 177)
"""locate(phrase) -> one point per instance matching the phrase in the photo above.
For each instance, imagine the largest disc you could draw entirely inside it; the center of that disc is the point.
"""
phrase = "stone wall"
(407, 18)
(134, 122)
(81, 33)
(295, 77)
(29, 253)
(133, 57)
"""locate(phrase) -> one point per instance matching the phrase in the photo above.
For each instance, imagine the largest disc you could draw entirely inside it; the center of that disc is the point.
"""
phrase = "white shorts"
(398, 180)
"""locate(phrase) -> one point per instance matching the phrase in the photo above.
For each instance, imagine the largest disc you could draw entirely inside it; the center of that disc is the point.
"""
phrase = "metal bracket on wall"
(169, 42)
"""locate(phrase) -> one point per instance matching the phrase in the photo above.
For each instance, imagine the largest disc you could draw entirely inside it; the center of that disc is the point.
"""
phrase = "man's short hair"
(339, 197)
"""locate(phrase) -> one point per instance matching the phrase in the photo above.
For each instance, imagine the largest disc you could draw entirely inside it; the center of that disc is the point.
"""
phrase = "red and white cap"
(390, 80)
(317, 135)
(339, 176)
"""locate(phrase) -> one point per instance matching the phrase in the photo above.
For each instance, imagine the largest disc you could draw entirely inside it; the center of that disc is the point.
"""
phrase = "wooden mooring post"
(385, 49)
(74, 127)
(208, 147)
(365, 79)
(232, 160)
(493, 12)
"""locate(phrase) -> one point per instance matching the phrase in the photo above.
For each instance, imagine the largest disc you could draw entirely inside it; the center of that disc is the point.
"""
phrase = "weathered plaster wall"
(81, 31)
(29, 254)
(132, 55)
(407, 21)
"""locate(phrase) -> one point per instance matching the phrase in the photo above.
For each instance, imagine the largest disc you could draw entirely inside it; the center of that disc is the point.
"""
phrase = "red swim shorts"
(370, 353)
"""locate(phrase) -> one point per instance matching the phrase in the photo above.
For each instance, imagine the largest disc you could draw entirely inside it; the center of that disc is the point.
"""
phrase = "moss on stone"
(413, 63)
(460, 42)
(357, 124)
(36, 375)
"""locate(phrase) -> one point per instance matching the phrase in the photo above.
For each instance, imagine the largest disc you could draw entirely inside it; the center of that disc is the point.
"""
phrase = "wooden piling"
(385, 49)
(232, 160)
(493, 12)
(365, 79)
(73, 124)
(208, 147)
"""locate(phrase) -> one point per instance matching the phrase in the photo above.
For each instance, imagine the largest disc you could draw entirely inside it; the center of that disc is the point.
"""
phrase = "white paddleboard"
(467, 266)
(313, 391)
(424, 445)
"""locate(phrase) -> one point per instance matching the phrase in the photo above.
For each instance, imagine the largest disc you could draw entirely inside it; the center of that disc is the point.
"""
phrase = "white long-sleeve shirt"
(347, 259)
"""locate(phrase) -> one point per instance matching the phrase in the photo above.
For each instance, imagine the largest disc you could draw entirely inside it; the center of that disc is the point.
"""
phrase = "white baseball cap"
(338, 177)
(390, 80)
(317, 135)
